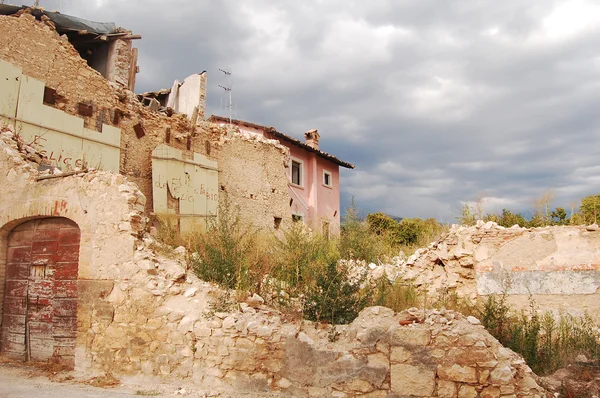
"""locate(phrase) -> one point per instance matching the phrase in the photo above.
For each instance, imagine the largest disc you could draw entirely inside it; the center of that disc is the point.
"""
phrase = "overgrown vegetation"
(301, 271)
(547, 342)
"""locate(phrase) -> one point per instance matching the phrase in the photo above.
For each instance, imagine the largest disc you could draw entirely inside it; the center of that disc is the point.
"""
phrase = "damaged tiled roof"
(275, 133)
(64, 23)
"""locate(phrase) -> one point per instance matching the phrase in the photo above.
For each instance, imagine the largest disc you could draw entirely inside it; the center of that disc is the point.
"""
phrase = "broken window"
(296, 172)
(297, 217)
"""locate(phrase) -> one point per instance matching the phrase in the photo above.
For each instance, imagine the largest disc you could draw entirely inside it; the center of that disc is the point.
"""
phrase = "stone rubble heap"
(157, 321)
(446, 264)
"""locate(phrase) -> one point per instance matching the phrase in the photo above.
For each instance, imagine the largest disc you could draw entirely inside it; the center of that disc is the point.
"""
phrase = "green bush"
(223, 251)
(333, 297)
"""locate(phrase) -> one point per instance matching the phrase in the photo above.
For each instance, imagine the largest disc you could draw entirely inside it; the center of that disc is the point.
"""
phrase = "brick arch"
(39, 320)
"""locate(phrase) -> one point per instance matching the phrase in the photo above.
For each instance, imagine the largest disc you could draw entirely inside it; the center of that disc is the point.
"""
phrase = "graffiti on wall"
(194, 182)
(61, 138)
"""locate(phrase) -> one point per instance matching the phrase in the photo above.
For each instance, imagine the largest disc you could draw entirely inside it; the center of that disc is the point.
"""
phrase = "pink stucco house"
(314, 176)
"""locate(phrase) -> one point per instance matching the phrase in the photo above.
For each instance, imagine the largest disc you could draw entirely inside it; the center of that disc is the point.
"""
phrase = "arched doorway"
(39, 320)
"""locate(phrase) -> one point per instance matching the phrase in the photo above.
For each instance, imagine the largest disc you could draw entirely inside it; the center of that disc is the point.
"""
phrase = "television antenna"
(228, 89)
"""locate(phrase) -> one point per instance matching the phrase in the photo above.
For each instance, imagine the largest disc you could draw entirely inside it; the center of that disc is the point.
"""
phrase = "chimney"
(312, 138)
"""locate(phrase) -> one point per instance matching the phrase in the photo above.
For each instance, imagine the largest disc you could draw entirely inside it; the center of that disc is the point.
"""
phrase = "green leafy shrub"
(333, 297)
(223, 251)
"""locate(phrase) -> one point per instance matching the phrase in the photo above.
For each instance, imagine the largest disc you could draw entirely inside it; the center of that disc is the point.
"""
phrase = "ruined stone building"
(314, 175)
(66, 101)
(84, 164)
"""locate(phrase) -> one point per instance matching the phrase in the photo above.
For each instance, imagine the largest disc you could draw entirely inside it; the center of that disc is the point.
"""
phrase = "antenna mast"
(228, 90)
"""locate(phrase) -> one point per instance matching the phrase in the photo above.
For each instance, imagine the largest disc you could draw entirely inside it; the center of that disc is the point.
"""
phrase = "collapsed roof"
(64, 23)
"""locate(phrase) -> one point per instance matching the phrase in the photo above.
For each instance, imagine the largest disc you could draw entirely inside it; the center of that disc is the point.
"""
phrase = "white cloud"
(434, 101)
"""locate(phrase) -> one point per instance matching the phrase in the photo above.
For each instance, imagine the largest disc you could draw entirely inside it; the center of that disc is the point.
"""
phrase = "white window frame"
(302, 170)
(330, 174)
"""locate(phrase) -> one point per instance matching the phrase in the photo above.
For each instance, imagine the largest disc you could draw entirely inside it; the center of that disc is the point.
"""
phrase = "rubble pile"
(446, 265)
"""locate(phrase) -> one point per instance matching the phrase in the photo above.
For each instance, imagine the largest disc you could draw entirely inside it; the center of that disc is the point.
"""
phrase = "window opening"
(327, 178)
(296, 172)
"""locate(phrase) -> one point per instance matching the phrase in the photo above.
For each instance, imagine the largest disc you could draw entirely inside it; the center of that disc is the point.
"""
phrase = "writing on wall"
(193, 182)
(62, 138)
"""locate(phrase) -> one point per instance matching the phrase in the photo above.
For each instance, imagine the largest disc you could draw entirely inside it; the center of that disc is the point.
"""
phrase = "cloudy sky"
(436, 102)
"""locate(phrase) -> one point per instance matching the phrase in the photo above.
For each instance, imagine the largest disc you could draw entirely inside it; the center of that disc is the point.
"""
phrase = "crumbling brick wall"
(253, 176)
(44, 55)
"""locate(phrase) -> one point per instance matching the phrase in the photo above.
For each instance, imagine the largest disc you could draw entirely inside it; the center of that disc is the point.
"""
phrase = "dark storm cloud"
(435, 102)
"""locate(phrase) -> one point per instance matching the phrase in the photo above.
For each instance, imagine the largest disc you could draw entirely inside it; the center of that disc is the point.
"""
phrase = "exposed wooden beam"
(133, 69)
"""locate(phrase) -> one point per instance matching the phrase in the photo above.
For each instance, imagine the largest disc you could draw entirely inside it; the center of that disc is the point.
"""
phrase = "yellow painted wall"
(60, 136)
(193, 182)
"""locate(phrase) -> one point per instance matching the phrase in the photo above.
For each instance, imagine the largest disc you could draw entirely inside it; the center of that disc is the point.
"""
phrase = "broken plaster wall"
(119, 62)
(41, 53)
(106, 208)
(253, 177)
(559, 267)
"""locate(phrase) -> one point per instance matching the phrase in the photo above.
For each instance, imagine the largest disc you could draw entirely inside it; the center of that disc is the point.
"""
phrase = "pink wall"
(315, 201)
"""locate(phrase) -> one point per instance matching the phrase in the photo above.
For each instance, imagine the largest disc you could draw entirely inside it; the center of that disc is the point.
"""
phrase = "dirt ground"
(19, 380)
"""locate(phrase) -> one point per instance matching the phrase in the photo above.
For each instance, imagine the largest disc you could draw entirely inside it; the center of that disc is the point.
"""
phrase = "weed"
(223, 251)
(298, 253)
(546, 342)
(222, 302)
(357, 240)
(333, 297)
(399, 295)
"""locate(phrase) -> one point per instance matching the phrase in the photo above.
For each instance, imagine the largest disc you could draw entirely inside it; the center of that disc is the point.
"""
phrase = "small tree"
(590, 209)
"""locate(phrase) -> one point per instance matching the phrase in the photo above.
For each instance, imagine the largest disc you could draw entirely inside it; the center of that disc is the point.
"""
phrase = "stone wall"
(44, 55)
(253, 175)
(558, 266)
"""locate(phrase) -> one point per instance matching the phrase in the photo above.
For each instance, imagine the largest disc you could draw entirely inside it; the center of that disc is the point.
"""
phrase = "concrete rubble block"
(409, 380)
